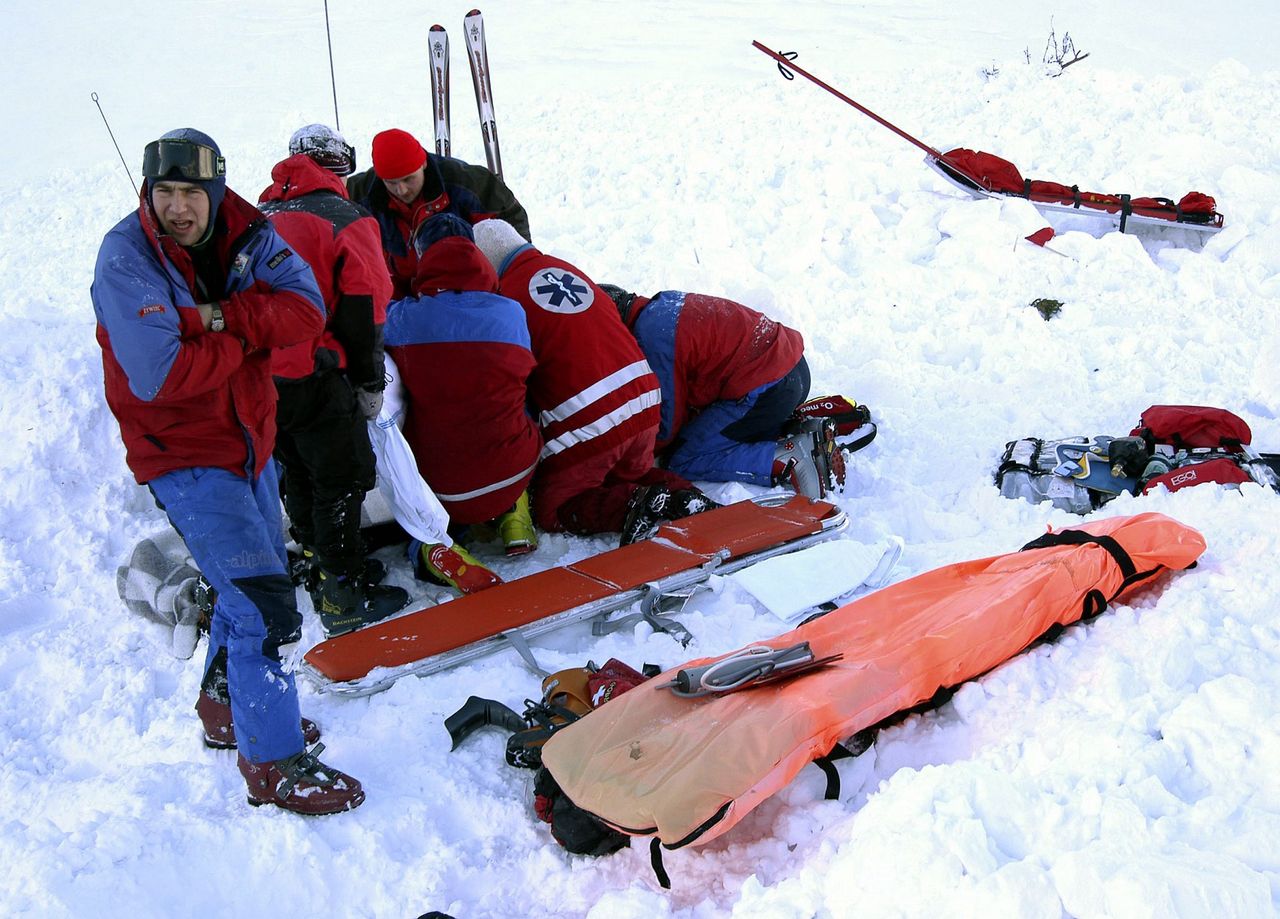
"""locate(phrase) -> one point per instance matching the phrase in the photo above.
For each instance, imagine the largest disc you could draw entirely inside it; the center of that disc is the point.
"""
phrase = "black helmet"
(622, 299)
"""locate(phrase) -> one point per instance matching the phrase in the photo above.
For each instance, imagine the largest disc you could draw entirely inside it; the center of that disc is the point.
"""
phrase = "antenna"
(94, 97)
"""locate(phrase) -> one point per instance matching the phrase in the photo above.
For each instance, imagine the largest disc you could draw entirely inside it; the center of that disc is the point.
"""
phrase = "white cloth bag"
(411, 500)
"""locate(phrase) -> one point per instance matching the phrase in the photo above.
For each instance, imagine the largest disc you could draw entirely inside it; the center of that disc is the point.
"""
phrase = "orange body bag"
(686, 770)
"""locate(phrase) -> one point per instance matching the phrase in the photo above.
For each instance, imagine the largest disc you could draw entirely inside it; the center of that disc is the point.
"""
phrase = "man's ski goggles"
(194, 162)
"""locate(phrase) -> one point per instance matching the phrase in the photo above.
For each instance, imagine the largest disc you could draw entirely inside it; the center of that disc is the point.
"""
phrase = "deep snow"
(1127, 770)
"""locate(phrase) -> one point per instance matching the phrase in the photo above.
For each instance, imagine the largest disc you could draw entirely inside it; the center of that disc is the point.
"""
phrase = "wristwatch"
(216, 322)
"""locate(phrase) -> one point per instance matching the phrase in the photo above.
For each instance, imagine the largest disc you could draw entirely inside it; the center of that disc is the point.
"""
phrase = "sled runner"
(685, 770)
(984, 175)
(680, 556)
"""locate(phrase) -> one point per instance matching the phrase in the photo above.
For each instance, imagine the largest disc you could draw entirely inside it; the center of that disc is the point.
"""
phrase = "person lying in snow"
(596, 397)
(732, 379)
(464, 358)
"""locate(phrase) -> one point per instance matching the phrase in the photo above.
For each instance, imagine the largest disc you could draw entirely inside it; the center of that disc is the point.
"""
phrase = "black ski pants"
(322, 444)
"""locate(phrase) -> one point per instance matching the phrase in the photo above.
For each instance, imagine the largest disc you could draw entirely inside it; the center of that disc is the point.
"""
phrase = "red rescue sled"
(985, 175)
(680, 556)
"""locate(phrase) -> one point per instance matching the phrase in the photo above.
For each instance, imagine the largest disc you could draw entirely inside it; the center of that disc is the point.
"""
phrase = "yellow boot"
(515, 528)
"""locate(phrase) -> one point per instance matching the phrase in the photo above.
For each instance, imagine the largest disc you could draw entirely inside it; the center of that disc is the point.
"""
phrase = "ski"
(438, 47)
(478, 57)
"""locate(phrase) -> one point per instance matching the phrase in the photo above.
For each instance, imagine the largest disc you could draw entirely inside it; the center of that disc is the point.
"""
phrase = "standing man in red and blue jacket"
(191, 293)
(407, 185)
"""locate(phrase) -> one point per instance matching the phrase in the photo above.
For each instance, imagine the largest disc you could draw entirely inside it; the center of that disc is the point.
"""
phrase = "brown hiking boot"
(220, 732)
(302, 784)
(214, 708)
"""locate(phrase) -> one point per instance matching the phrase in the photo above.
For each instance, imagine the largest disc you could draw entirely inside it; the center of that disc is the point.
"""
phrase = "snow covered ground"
(1128, 770)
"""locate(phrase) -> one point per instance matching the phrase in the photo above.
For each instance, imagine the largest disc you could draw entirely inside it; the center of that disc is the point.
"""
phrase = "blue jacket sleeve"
(137, 302)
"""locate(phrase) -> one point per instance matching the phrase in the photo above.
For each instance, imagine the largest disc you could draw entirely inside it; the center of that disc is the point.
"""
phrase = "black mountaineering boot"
(346, 603)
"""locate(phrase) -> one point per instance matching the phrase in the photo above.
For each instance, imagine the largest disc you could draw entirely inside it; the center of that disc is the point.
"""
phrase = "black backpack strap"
(655, 860)
(827, 765)
(1095, 601)
(1095, 604)
(1080, 538)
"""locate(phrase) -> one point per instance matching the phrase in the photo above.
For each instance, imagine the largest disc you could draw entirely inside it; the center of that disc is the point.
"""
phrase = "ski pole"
(337, 125)
(94, 97)
(790, 64)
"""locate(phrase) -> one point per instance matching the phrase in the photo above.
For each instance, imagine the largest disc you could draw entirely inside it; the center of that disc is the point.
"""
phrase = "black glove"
(368, 402)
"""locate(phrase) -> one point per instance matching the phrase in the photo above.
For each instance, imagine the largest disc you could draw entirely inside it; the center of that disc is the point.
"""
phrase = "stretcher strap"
(1080, 538)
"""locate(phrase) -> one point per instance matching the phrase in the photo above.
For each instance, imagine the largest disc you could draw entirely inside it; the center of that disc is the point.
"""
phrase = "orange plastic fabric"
(686, 770)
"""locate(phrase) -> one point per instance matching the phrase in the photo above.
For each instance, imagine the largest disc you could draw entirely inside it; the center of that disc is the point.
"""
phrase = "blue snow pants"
(233, 529)
(735, 440)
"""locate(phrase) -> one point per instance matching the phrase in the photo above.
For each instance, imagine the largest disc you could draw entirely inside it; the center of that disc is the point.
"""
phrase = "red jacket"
(308, 205)
(464, 360)
(592, 386)
(705, 349)
(185, 397)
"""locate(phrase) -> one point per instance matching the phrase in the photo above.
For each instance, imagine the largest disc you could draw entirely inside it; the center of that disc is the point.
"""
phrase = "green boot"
(515, 528)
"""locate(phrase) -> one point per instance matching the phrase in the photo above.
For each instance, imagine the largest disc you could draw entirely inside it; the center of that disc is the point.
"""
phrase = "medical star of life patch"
(278, 258)
(558, 291)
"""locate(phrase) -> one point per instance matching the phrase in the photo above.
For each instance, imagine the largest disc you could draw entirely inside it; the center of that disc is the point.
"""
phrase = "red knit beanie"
(396, 154)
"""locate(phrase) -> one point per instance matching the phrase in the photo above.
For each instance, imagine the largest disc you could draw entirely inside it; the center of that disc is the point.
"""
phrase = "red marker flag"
(1040, 237)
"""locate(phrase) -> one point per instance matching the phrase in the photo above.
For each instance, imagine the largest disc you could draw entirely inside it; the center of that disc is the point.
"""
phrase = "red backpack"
(1221, 471)
(1190, 427)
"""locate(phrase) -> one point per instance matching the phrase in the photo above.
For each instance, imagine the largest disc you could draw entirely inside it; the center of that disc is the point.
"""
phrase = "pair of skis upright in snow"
(478, 58)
